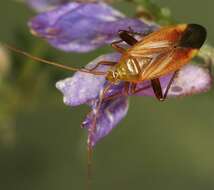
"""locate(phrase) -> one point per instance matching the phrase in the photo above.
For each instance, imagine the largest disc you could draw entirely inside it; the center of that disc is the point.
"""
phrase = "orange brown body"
(160, 53)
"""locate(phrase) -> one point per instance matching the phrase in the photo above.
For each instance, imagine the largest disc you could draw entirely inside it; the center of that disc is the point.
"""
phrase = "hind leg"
(156, 85)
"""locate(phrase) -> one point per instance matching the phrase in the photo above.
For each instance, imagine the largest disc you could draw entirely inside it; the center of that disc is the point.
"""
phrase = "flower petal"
(82, 27)
(45, 5)
(84, 87)
(191, 79)
(110, 114)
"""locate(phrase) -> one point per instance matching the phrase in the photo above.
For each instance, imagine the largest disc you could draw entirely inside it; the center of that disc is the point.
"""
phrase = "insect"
(160, 53)
(157, 54)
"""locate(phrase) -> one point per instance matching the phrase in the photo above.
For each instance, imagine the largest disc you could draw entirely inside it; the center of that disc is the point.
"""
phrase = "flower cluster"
(84, 88)
(83, 27)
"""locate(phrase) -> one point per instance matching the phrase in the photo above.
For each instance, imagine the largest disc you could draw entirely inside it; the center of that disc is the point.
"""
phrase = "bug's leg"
(110, 63)
(126, 37)
(125, 92)
(156, 85)
(169, 84)
(117, 47)
(130, 88)
(92, 130)
(135, 90)
(96, 111)
(132, 33)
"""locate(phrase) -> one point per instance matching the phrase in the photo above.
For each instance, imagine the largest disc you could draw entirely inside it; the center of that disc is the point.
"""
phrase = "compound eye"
(114, 74)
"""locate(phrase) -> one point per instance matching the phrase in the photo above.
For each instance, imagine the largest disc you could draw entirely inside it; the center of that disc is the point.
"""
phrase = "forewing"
(161, 48)
(157, 64)
(152, 56)
(157, 42)
(166, 62)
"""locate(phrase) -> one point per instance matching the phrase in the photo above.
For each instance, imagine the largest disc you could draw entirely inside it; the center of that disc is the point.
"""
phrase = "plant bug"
(157, 54)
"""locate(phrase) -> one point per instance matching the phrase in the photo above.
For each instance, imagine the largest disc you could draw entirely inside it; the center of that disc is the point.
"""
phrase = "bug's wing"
(150, 49)
(158, 41)
(163, 62)
(153, 56)
(161, 48)
(155, 64)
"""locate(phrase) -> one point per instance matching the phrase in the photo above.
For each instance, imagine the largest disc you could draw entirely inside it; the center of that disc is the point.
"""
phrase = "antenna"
(41, 60)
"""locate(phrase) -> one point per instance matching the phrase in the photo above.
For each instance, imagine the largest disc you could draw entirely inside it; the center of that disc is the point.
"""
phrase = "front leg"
(126, 37)
(131, 32)
(117, 47)
(123, 92)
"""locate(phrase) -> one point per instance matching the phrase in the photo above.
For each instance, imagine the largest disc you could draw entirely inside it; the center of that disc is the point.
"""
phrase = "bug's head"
(112, 76)
(193, 36)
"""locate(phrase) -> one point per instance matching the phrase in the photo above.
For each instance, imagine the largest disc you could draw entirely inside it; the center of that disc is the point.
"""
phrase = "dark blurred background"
(160, 146)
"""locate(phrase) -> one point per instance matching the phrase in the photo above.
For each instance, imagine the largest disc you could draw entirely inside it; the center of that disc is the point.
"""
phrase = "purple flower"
(85, 88)
(45, 5)
(83, 27)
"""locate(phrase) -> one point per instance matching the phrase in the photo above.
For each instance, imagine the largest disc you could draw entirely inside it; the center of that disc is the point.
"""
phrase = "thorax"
(130, 68)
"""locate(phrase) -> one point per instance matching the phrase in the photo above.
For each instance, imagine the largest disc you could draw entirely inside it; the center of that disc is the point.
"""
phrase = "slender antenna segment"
(35, 58)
